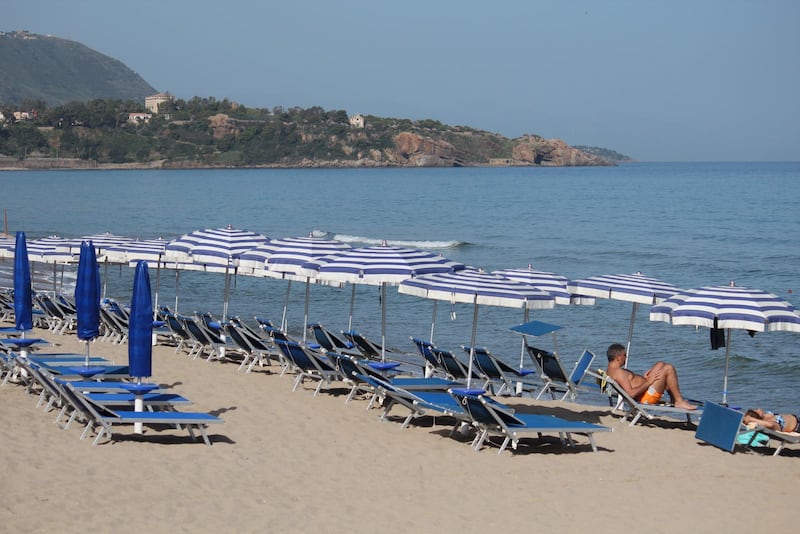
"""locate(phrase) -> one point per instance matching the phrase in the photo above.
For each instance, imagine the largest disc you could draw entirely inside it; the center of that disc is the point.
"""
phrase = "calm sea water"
(687, 224)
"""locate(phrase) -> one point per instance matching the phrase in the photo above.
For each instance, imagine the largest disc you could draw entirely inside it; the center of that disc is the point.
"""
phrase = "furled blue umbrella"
(87, 296)
(477, 288)
(214, 250)
(728, 308)
(140, 325)
(140, 331)
(635, 288)
(379, 265)
(23, 294)
(284, 259)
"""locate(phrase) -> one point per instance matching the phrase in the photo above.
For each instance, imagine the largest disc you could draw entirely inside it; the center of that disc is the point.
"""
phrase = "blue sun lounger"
(493, 418)
(104, 418)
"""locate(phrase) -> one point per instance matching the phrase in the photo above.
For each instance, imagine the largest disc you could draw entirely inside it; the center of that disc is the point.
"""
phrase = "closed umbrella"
(87, 296)
(380, 265)
(23, 294)
(140, 332)
(477, 288)
(728, 308)
(634, 288)
(140, 325)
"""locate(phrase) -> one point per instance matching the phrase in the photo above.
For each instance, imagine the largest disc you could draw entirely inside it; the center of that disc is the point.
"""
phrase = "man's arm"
(634, 385)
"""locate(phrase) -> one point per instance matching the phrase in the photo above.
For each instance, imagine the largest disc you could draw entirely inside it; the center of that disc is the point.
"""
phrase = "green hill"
(56, 71)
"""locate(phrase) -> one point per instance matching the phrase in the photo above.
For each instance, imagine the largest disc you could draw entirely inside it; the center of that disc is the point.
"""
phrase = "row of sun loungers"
(100, 405)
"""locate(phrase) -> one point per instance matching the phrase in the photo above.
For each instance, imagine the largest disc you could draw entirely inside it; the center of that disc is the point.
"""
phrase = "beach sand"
(287, 461)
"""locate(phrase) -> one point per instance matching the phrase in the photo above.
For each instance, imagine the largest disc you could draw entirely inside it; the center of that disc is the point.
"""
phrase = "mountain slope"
(57, 71)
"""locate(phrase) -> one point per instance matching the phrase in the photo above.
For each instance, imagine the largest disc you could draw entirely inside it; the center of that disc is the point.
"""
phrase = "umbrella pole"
(158, 284)
(352, 306)
(472, 341)
(630, 332)
(177, 280)
(525, 318)
(284, 324)
(226, 291)
(727, 359)
(105, 277)
(305, 313)
(433, 320)
(383, 321)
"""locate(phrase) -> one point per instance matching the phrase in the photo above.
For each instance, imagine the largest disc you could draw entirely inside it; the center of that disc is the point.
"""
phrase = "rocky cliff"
(535, 150)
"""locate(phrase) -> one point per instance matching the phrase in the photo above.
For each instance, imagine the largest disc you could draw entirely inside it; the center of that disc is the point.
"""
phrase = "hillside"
(78, 105)
(55, 71)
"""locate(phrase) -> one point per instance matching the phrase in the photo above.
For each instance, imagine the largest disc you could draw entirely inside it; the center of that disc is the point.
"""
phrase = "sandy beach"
(287, 461)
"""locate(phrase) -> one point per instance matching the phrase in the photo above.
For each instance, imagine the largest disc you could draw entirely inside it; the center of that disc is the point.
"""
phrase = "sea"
(688, 224)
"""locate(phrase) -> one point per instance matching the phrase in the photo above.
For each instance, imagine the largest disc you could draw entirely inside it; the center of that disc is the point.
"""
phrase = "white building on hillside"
(153, 101)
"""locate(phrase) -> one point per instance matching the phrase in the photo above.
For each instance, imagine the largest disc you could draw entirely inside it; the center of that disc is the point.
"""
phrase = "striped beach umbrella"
(554, 284)
(132, 252)
(381, 265)
(284, 258)
(635, 288)
(477, 288)
(214, 250)
(728, 308)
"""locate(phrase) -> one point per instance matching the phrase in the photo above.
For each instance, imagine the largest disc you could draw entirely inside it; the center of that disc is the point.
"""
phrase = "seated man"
(647, 388)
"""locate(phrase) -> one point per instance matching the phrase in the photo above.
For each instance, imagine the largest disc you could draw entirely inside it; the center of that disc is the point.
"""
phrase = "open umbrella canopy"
(380, 265)
(477, 288)
(635, 288)
(726, 308)
(284, 259)
(140, 326)
(551, 283)
(214, 250)
(23, 293)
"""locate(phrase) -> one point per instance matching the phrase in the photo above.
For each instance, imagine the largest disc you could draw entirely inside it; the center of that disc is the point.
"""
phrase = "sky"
(701, 80)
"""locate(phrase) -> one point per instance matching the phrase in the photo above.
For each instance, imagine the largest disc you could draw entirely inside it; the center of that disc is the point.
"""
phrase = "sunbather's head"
(615, 350)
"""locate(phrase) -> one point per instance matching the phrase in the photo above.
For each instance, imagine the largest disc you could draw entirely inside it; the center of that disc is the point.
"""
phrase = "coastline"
(60, 164)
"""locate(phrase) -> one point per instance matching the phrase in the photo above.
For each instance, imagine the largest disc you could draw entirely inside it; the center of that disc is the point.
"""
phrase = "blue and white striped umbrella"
(284, 259)
(728, 307)
(477, 288)
(554, 284)
(379, 265)
(636, 288)
(551, 283)
(132, 252)
(214, 250)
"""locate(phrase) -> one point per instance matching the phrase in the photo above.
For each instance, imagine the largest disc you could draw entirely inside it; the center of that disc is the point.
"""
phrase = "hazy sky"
(660, 81)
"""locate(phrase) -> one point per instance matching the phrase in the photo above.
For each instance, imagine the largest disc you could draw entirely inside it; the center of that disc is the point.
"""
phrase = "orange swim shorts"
(651, 396)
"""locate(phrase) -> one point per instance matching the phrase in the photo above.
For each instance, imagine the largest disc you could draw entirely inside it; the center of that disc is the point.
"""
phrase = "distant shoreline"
(62, 164)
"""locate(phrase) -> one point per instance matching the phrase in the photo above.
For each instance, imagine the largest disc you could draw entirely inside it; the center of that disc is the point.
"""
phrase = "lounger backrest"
(424, 348)
(237, 337)
(321, 336)
(583, 364)
(549, 363)
(295, 353)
